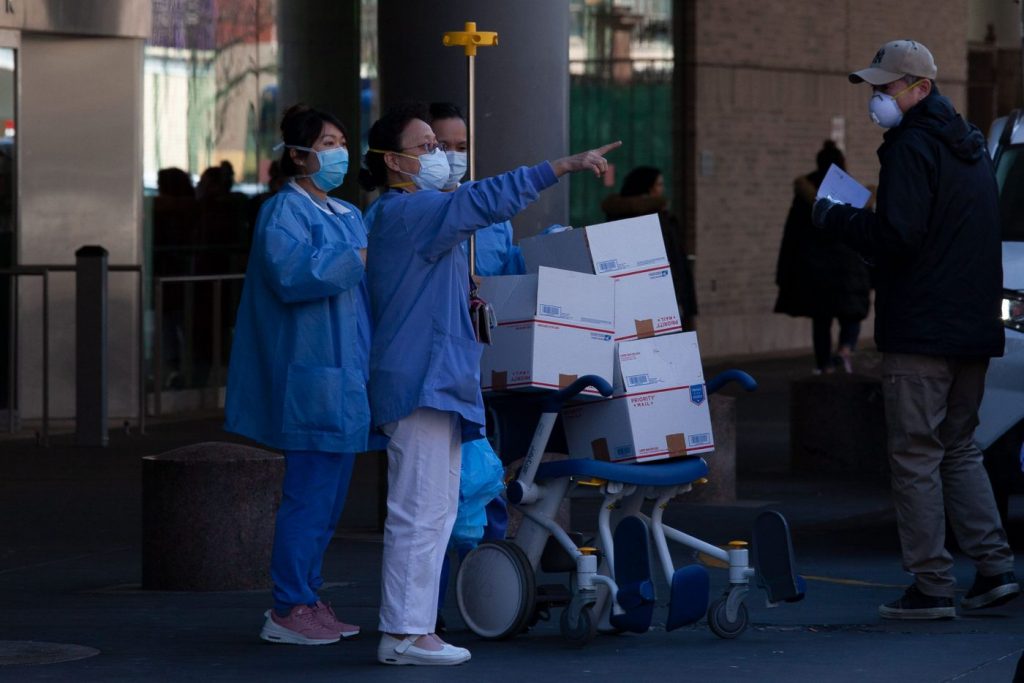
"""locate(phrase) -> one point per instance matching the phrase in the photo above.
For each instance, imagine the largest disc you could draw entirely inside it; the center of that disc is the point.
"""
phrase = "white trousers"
(424, 463)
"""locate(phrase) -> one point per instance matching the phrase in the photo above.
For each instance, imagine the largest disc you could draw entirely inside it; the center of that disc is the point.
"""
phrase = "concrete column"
(318, 42)
(522, 84)
(684, 130)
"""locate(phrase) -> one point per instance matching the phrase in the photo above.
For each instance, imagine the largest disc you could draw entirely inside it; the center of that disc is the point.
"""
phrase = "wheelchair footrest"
(633, 576)
(773, 559)
(688, 603)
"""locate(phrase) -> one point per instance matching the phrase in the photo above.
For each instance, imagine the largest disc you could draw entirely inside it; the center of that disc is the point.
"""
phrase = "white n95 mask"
(884, 110)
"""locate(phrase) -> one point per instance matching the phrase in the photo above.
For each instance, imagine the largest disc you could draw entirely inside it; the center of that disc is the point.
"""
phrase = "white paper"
(840, 187)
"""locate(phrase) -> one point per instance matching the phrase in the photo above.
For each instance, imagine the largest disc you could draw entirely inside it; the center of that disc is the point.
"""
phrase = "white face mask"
(458, 162)
(884, 110)
(433, 171)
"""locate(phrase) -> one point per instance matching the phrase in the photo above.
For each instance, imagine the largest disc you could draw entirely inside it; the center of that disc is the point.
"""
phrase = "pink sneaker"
(329, 619)
(302, 626)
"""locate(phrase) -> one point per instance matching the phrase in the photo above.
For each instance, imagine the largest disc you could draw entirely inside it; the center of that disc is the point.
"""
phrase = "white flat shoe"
(398, 651)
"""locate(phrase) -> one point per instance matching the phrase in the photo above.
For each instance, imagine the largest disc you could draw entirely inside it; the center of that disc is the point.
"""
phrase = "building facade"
(731, 98)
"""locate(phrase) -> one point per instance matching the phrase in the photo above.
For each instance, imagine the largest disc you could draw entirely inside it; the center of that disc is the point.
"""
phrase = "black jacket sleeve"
(906, 188)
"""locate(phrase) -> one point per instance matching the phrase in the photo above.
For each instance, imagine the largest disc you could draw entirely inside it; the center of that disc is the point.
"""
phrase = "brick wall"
(770, 79)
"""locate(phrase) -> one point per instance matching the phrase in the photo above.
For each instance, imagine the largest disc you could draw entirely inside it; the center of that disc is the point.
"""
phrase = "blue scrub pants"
(314, 492)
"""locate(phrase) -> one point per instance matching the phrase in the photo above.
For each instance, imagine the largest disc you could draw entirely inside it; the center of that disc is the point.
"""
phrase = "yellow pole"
(470, 39)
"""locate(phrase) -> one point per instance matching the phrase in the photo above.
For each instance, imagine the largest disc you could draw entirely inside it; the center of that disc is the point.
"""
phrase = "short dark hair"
(445, 110)
(386, 135)
(639, 181)
(301, 125)
(830, 154)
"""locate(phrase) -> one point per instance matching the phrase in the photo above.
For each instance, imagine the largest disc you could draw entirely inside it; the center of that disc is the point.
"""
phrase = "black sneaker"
(916, 605)
(991, 591)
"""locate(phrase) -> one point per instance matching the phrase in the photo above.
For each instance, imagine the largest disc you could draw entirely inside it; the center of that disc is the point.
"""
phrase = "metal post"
(217, 303)
(46, 358)
(471, 130)
(141, 312)
(90, 347)
(187, 355)
(12, 327)
(158, 360)
(470, 39)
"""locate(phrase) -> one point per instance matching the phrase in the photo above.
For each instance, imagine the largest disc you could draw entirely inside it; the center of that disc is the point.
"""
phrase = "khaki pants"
(931, 408)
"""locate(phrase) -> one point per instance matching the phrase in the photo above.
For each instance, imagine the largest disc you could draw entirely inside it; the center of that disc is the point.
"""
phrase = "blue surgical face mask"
(458, 162)
(333, 167)
(434, 171)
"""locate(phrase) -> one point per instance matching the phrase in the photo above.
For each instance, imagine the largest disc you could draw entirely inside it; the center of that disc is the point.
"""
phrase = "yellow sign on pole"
(470, 39)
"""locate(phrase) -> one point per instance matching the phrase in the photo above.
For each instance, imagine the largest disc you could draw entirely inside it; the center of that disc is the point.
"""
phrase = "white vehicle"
(1001, 430)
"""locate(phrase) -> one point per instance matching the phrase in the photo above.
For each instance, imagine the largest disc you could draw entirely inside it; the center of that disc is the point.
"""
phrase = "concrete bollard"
(91, 346)
(837, 426)
(721, 484)
(208, 517)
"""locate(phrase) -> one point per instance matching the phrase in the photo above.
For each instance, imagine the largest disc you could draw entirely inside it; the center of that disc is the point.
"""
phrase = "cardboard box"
(660, 409)
(632, 252)
(553, 326)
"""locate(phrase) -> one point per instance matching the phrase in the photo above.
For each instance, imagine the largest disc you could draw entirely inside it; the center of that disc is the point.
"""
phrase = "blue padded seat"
(680, 471)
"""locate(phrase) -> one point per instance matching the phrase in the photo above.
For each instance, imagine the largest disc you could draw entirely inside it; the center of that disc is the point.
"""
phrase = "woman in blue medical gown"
(299, 364)
(425, 360)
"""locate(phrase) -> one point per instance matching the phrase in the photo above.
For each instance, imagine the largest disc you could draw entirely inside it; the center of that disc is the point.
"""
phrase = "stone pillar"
(319, 65)
(208, 515)
(522, 84)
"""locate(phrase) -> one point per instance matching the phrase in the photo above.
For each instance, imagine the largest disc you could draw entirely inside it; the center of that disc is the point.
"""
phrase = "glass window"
(210, 125)
(620, 64)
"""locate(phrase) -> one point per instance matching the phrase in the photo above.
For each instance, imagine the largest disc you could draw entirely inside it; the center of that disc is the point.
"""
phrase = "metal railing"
(217, 341)
(44, 270)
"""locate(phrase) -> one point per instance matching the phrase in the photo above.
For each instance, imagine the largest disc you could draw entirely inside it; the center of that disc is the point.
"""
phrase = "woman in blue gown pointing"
(425, 361)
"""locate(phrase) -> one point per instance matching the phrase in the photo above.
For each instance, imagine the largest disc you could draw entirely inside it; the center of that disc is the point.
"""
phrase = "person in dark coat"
(935, 242)
(642, 193)
(819, 277)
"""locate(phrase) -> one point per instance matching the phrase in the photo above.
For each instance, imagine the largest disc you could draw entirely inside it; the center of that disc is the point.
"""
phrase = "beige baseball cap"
(895, 60)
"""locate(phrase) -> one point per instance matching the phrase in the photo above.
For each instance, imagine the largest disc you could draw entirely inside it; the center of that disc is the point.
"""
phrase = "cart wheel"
(583, 632)
(495, 590)
(718, 619)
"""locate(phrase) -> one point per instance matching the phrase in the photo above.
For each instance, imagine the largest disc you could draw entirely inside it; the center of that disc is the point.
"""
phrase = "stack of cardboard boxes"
(599, 300)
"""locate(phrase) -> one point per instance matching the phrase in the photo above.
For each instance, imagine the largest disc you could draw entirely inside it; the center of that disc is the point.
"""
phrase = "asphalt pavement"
(70, 569)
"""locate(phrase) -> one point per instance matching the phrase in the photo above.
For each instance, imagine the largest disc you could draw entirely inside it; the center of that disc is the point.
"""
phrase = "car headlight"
(1013, 309)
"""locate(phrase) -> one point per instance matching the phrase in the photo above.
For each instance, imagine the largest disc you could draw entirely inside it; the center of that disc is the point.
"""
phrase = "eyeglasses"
(425, 148)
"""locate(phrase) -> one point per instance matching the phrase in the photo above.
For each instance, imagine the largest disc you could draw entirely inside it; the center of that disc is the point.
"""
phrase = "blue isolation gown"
(299, 361)
(424, 353)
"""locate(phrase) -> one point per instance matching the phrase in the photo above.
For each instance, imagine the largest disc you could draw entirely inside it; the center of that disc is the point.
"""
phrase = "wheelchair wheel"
(496, 590)
(719, 623)
(584, 630)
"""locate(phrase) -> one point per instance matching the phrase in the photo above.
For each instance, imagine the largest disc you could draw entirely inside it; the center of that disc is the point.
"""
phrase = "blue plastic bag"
(482, 480)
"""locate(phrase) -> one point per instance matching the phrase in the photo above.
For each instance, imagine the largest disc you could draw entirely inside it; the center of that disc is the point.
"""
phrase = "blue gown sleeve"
(515, 265)
(438, 221)
(298, 271)
(512, 257)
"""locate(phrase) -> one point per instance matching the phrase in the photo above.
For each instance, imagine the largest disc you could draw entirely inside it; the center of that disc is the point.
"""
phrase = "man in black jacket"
(935, 243)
